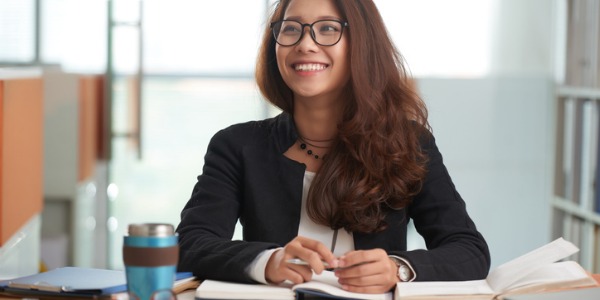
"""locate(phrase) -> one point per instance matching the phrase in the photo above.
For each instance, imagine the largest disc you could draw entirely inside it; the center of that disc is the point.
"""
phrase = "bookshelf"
(576, 203)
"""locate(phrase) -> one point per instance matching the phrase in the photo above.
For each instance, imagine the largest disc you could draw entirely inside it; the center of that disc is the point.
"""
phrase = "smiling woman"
(337, 176)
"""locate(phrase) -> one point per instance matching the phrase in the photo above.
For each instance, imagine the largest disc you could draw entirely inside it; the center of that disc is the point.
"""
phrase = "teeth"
(309, 67)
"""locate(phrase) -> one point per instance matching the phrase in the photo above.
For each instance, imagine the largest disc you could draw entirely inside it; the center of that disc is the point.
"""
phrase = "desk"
(189, 294)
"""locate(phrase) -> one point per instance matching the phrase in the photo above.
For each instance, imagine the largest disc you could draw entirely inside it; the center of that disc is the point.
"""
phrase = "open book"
(536, 271)
(322, 285)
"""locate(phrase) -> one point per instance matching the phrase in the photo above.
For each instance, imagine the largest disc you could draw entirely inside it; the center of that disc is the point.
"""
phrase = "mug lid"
(151, 229)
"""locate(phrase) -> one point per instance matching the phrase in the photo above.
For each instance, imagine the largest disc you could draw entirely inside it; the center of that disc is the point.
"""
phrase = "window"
(74, 34)
(17, 31)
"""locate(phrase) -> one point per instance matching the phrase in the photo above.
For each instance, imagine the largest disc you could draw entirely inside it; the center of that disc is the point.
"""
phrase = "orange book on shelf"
(91, 90)
(21, 153)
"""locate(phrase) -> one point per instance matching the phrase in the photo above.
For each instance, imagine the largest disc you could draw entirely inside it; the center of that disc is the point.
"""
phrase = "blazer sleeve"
(208, 219)
(456, 250)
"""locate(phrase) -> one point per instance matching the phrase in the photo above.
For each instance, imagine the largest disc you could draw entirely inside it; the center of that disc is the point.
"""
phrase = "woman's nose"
(307, 42)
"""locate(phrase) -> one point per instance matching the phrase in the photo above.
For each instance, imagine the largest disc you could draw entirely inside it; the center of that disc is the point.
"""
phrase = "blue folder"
(72, 282)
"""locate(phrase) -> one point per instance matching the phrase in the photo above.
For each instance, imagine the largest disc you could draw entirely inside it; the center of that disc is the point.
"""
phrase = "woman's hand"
(367, 271)
(311, 251)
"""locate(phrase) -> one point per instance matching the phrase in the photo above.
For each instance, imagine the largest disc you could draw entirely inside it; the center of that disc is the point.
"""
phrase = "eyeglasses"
(323, 32)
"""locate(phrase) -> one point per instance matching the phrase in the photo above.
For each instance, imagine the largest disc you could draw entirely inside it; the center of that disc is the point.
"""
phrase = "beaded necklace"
(304, 146)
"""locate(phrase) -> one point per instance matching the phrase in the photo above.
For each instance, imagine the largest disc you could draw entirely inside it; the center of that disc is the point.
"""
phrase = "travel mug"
(150, 254)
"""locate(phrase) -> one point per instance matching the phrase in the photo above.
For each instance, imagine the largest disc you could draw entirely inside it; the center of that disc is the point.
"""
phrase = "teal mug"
(150, 254)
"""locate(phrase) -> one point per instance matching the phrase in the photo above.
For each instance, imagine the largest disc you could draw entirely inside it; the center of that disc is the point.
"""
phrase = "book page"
(443, 288)
(507, 274)
(327, 283)
(557, 275)
(338, 292)
(213, 289)
(185, 284)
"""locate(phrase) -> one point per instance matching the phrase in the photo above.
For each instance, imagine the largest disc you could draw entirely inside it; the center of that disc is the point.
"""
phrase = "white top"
(344, 241)
(308, 228)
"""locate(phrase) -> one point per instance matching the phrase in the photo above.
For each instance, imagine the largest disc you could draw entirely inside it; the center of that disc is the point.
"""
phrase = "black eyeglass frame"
(343, 24)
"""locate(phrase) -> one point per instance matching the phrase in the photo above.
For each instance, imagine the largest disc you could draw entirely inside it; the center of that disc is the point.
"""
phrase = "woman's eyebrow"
(300, 19)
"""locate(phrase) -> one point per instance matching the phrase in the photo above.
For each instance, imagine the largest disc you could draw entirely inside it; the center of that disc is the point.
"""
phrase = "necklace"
(304, 146)
(316, 141)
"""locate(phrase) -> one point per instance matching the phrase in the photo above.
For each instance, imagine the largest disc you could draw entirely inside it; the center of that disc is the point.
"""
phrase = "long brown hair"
(376, 163)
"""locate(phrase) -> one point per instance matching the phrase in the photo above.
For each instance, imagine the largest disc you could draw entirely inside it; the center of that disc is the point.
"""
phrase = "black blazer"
(246, 176)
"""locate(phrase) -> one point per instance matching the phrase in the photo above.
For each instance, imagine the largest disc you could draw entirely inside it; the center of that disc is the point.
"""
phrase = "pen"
(298, 261)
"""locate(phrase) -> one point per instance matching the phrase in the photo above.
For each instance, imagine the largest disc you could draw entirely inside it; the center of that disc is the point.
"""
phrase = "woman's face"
(309, 69)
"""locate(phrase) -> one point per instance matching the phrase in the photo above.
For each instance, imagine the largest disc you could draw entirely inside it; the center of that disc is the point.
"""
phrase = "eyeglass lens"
(324, 32)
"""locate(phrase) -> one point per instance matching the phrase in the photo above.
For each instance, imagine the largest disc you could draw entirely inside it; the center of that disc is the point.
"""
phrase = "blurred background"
(108, 107)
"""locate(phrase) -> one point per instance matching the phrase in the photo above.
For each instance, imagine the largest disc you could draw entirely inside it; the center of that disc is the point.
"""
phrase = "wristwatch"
(404, 272)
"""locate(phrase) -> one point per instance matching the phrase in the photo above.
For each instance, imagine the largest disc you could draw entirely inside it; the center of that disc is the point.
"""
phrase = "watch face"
(403, 273)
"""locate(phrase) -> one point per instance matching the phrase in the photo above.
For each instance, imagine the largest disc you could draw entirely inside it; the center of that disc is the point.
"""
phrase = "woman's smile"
(309, 67)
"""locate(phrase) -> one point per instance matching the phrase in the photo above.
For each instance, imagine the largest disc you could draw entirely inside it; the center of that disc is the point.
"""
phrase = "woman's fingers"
(311, 251)
(355, 258)
(301, 274)
(365, 271)
(369, 271)
(323, 251)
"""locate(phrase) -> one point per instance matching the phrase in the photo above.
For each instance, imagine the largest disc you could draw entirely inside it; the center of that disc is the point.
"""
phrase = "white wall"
(496, 138)
(496, 131)
(524, 35)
